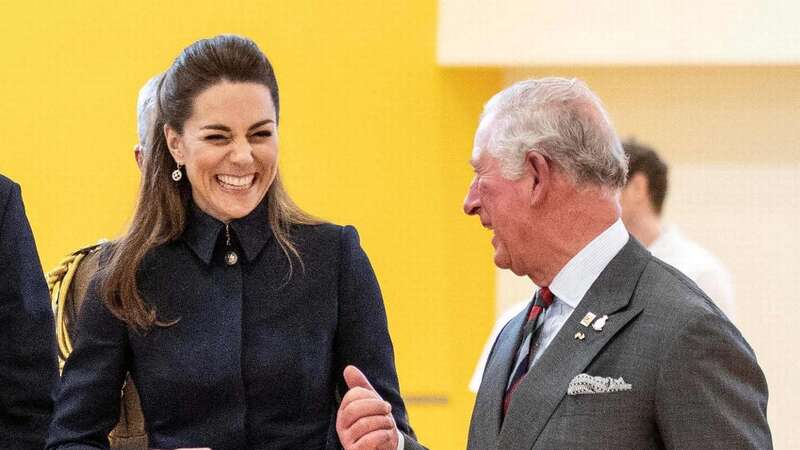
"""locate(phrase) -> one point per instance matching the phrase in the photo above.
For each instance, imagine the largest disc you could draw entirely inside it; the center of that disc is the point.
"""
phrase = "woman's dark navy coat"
(256, 357)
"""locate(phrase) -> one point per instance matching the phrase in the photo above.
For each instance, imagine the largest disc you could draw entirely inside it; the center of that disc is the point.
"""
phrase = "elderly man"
(145, 115)
(618, 349)
(642, 201)
(28, 370)
(130, 431)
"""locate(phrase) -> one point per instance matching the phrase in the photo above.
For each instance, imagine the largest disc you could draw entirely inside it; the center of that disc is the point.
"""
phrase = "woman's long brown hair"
(161, 207)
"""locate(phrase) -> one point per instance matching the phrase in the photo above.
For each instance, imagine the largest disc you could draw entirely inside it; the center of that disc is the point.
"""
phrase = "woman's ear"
(539, 168)
(174, 143)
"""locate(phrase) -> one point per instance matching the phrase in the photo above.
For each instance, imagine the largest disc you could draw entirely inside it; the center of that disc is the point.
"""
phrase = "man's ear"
(174, 144)
(138, 155)
(542, 176)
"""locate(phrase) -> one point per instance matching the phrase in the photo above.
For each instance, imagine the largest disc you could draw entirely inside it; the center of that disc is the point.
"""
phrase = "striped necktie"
(544, 298)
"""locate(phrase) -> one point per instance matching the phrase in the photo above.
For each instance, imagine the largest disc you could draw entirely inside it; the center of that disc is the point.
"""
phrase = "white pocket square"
(587, 384)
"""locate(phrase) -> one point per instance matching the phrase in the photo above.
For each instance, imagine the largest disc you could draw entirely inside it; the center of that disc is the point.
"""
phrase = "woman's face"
(230, 148)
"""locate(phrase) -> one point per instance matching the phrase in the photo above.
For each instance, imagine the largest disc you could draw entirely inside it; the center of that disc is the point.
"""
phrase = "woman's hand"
(364, 420)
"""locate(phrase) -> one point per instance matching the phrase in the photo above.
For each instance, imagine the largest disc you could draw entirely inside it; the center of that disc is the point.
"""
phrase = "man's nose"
(472, 201)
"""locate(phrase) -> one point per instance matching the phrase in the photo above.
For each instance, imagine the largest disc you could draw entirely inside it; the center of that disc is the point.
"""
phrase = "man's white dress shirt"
(570, 285)
(671, 247)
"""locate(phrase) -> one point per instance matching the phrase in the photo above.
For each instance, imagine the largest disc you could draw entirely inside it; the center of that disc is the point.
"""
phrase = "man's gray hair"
(564, 121)
(145, 107)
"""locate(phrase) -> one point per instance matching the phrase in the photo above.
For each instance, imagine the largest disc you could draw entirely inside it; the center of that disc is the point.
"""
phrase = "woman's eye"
(265, 133)
(215, 137)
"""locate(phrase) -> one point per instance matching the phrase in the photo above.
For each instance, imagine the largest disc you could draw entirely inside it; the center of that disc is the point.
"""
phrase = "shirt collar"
(250, 232)
(574, 279)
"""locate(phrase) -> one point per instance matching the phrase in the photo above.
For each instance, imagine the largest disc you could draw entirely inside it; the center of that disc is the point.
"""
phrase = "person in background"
(70, 279)
(617, 349)
(642, 205)
(642, 201)
(28, 364)
(234, 311)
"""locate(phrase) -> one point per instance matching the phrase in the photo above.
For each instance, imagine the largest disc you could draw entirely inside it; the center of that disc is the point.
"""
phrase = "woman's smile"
(236, 183)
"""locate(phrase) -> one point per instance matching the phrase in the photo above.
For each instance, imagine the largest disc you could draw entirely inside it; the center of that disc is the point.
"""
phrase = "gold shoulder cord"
(58, 282)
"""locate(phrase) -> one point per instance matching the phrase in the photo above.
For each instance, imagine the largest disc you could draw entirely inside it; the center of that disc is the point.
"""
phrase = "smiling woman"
(234, 311)
(229, 147)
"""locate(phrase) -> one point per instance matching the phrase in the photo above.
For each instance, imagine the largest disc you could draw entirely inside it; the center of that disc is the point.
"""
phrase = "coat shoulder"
(7, 186)
(325, 234)
(323, 230)
(672, 297)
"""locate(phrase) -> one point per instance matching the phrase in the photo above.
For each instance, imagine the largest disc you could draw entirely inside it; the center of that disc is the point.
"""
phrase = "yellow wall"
(372, 134)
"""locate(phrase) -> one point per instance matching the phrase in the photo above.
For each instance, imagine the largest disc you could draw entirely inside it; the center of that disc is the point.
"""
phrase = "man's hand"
(364, 420)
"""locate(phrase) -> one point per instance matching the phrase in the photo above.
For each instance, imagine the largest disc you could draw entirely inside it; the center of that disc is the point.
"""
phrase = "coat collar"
(546, 383)
(249, 233)
(573, 281)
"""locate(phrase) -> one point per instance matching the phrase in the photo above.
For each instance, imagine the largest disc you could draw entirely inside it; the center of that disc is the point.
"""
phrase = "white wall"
(602, 32)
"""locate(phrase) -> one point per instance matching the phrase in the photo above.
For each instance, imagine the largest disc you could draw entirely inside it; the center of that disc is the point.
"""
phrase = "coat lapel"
(486, 416)
(545, 385)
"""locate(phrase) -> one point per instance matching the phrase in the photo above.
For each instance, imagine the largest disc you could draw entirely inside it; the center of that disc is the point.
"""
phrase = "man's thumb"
(355, 378)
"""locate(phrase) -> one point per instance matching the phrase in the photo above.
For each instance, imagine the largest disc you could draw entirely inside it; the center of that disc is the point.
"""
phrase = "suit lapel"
(545, 385)
(486, 416)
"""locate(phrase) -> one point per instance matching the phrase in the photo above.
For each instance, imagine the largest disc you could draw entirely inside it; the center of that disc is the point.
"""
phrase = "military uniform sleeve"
(711, 393)
(28, 364)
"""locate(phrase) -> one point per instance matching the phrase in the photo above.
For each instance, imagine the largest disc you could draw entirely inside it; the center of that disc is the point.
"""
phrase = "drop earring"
(177, 175)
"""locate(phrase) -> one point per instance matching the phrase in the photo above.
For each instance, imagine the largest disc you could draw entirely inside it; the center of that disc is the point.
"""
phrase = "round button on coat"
(231, 258)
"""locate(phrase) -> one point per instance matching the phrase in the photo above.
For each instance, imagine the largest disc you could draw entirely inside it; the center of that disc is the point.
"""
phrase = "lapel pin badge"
(588, 318)
(580, 336)
(600, 323)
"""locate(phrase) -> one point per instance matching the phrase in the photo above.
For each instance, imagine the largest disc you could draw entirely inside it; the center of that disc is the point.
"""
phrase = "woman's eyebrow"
(220, 127)
(216, 126)
(258, 124)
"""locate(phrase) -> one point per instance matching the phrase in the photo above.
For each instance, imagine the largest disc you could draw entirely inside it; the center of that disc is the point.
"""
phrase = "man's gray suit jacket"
(695, 382)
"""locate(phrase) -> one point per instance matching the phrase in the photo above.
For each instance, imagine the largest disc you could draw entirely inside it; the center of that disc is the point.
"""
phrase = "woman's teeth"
(234, 182)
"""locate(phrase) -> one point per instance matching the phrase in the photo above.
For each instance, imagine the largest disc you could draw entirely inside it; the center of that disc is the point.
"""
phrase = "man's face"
(634, 198)
(501, 204)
